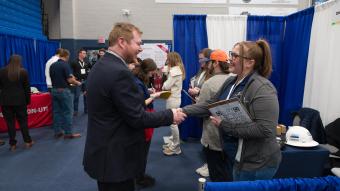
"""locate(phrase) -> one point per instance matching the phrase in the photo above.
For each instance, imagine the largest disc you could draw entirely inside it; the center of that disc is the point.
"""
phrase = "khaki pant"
(173, 103)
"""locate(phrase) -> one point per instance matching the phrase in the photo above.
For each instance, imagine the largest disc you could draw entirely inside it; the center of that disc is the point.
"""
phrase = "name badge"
(82, 71)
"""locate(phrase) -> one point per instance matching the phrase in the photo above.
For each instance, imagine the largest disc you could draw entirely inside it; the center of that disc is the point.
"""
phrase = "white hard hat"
(300, 137)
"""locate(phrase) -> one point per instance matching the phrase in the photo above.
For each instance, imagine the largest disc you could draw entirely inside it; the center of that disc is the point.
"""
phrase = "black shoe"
(145, 181)
(58, 135)
(335, 155)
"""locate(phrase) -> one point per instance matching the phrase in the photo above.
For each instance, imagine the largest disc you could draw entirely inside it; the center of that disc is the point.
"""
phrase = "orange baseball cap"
(219, 55)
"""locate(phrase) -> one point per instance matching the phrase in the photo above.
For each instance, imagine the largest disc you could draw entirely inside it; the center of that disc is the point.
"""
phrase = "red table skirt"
(39, 112)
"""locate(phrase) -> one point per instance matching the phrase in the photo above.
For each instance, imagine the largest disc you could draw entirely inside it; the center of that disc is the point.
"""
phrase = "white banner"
(271, 11)
(336, 14)
(193, 1)
(265, 2)
(156, 51)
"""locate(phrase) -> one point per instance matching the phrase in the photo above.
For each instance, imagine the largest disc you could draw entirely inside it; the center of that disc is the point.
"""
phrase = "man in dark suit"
(114, 149)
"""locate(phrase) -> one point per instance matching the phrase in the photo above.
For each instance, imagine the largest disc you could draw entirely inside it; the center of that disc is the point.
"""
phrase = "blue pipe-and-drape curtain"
(34, 55)
(21, 46)
(311, 184)
(190, 36)
(45, 50)
(271, 29)
(295, 51)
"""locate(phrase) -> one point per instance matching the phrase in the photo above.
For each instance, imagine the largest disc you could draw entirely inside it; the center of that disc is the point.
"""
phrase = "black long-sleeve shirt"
(80, 69)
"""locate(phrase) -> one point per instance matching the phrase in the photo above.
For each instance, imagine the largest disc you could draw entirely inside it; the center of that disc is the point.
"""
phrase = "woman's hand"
(155, 95)
(194, 91)
(216, 120)
(151, 90)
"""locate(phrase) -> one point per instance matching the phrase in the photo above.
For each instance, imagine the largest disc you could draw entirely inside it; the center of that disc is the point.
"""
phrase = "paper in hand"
(187, 94)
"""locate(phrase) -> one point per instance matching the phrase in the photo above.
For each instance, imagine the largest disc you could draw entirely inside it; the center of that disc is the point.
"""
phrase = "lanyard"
(82, 64)
(200, 77)
(234, 87)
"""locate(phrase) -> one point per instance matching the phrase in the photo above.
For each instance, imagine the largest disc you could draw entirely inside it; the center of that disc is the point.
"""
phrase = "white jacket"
(51, 61)
(174, 82)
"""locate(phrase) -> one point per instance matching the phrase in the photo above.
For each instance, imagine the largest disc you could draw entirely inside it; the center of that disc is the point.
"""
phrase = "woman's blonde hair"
(174, 59)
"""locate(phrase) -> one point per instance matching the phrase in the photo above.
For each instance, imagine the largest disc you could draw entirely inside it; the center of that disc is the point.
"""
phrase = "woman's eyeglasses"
(233, 55)
(203, 60)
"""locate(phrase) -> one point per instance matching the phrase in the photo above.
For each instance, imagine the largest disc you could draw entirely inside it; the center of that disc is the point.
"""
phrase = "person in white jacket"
(174, 84)
(52, 60)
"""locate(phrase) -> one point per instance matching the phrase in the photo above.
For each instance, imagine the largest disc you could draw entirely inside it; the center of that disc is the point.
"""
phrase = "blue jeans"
(76, 93)
(62, 110)
(264, 173)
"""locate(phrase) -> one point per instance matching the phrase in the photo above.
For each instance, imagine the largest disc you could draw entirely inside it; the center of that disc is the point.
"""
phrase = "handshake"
(178, 116)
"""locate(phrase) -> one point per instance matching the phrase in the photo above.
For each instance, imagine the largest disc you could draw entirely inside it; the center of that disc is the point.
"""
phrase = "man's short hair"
(124, 30)
(102, 50)
(58, 51)
(65, 53)
(81, 50)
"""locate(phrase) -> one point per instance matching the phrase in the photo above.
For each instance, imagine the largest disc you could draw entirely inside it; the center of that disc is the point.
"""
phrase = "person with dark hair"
(197, 81)
(219, 166)
(52, 60)
(14, 98)
(258, 155)
(143, 70)
(114, 152)
(101, 53)
(62, 77)
(2, 142)
(81, 69)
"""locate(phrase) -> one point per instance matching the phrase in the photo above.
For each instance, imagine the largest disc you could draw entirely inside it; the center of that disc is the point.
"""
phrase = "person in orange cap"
(217, 73)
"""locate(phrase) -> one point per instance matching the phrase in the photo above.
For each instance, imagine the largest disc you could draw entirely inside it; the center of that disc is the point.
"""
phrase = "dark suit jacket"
(14, 93)
(114, 149)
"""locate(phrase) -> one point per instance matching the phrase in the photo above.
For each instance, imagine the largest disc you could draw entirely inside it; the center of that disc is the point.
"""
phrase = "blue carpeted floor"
(56, 165)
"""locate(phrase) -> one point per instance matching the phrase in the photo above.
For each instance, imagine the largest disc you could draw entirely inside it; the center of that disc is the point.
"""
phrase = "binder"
(231, 110)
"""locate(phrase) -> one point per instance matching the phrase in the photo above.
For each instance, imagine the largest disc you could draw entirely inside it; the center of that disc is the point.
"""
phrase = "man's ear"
(121, 42)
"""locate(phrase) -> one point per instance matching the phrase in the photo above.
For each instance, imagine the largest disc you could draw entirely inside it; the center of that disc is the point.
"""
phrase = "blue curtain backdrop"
(17, 45)
(311, 184)
(34, 56)
(295, 51)
(190, 36)
(45, 50)
(272, 29)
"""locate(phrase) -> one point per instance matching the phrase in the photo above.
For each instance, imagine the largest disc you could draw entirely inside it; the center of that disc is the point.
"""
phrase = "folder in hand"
(165, 94)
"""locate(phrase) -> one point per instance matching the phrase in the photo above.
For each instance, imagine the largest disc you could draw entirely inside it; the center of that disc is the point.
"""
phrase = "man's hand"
(179, 116)
(216, 120)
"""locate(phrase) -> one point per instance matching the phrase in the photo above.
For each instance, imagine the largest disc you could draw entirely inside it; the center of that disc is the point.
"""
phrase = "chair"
(311, 120)
(333, 144)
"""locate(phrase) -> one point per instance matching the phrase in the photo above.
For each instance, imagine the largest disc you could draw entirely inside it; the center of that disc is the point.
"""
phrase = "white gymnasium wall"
(89, 19)
(52, 8)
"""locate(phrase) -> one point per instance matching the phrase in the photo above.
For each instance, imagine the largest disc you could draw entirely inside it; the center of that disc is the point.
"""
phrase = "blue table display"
(302, 162)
